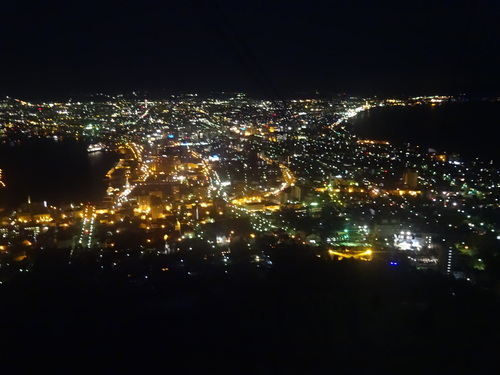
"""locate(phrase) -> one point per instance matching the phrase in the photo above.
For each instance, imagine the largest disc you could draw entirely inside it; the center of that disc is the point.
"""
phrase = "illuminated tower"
(127, 183)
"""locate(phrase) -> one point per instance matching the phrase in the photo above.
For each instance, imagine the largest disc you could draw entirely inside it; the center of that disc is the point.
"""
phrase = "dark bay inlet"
(53, 171)
(469, 128)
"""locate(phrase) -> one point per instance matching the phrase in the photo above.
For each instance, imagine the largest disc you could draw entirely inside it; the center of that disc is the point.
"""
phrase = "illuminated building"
(410, 179)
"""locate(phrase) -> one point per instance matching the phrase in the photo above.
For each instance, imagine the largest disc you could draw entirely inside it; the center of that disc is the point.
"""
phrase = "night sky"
(277, 48)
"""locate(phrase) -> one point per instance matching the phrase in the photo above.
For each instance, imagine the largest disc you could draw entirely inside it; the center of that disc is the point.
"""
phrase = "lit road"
(288, 178)
(88, 226)
(140, 173)
(259, 221)
(287, 175)
(211, 176)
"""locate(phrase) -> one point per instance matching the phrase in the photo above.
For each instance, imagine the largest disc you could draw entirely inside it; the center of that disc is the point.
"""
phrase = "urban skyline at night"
(250, 187)
(227, 190)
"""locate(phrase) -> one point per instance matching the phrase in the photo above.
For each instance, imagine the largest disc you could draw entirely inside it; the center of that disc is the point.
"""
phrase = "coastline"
(54, 171)
(457, 128)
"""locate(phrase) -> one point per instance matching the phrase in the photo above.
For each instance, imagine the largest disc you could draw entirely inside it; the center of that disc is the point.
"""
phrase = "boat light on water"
(96, 147)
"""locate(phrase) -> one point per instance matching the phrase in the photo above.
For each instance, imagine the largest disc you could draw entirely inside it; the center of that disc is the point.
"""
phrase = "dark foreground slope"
(301, 316)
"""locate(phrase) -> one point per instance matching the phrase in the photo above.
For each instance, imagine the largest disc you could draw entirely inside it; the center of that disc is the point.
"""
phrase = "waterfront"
(464, 128)
(54, 171)
(63, 171)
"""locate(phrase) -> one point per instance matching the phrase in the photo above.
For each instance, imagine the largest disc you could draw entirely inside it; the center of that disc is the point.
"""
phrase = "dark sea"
(470, 129)
(52, 171)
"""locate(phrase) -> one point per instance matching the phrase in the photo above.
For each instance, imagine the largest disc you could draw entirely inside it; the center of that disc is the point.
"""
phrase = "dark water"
(469, 129)
(54, 171)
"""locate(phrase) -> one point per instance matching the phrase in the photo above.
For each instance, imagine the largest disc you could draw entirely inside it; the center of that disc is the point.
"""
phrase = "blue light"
(394, 263)
(170, 136)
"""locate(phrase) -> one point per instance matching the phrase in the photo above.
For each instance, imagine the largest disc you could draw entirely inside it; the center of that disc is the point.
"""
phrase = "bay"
(52, 171)
(469, 128)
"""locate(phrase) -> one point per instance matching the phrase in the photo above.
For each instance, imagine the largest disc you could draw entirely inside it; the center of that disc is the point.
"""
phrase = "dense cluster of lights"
(188, 162)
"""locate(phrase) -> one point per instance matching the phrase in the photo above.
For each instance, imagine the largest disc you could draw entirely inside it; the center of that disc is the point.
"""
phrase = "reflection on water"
(56, 171)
